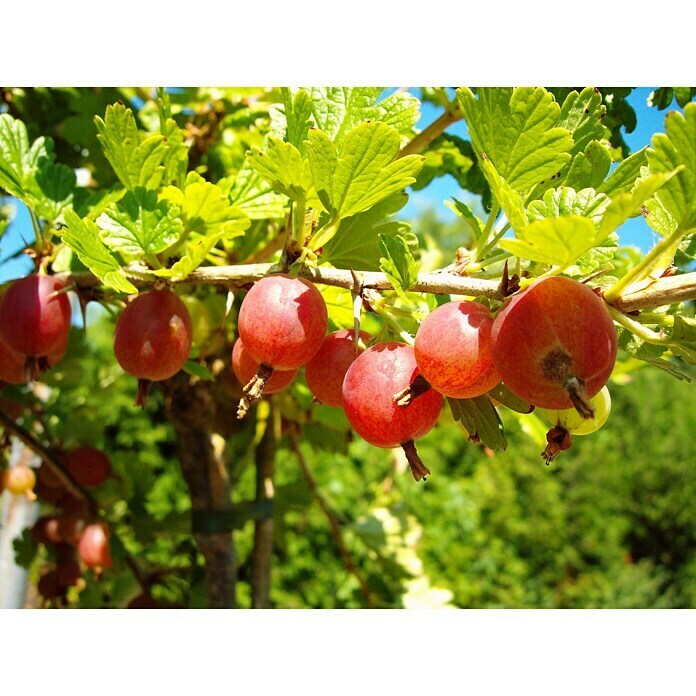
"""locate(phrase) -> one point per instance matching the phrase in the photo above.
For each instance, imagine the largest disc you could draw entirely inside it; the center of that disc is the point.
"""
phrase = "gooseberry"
(574, 423)
(152, 339)
(12, 365)
(282, 322)
(554, 344)
(20, 480)
(88, 466)
(325, 372)
(93, 547)
(370, 382)
(35, 319)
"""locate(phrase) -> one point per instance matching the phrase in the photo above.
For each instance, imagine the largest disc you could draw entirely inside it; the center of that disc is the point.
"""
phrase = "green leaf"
(205, 209)
(175, 161)
(582, 115)
(502, 394)
(196, 252)
(137, 161)
(589, 168)
(565, 201)
(626, 205)
(464, 212)
(554, 241)
(338, 110)
(447, 154)
(255, 197)
(53, 190)
(509, 200)
(518, 130)
(281, 165)
(658, 217)
(82, 236)
(480, 419)
(355, 243)
(623, 178)
(140, 224)
(397, 263)
(364, 173)
(192, 367)
(677, 148)
(297, 111)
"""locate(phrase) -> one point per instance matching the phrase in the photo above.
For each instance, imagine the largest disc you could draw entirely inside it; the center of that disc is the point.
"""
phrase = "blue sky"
(634, 232)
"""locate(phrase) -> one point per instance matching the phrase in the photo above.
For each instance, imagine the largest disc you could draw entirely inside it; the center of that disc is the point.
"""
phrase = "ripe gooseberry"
(88, 466)
(93, 547)
(370, 382)
(245, 368)
(282, 321)
(554, 344)
(67, 572)
(452, 349)
(35, 319)
(325, 372)
(152, 339)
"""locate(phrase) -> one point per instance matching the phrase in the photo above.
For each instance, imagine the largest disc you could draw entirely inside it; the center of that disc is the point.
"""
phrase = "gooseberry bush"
(251, 293)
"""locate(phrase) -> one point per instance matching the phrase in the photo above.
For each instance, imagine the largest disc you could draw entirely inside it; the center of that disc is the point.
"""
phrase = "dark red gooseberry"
(452, 350)
(152, 339)
(49, 587)
(368, 388)
(67, 572)
(325, 372)
(35, 319)
(93, 547)
(554, 344)
(88, 466)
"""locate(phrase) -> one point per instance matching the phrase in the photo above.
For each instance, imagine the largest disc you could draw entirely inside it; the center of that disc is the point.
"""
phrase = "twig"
(428, 134)
(333, 521)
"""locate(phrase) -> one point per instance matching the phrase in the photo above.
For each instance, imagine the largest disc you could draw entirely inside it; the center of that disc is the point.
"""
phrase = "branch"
(333, 522)
(427, 135)
(664, 291)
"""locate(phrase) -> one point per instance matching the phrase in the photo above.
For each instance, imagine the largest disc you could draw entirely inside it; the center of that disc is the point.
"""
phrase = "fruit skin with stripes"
(368, 388)
(152, 340)
(554, 344)
(325, 372)
(452, 350)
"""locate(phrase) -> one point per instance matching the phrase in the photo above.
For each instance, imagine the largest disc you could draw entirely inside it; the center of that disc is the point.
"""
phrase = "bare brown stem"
(336, 532)
(253, 391)
(428, 134)
(418, 469)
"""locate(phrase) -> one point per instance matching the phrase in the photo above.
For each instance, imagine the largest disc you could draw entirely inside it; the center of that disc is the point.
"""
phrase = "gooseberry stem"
(409, 394)
(253, 391)
(418, 469)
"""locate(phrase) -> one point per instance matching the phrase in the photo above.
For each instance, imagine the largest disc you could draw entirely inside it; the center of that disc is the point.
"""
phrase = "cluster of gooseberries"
(552, 345)
(71, 532)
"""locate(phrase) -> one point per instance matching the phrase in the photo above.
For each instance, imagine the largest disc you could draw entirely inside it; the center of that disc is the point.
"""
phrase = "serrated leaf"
(658, 217)
(355, 243)
(565, 201)
(624, 177)
(281, 165)
(175, 160)
(53, 190)
(397, 263)
(555, 241)
(205, 209)
(677, 148)
(82, 236)
(518, 130)
(582, 114)
(447, 154)
(364, 173)
(626, 205)
(196, 252)
(137, 161)
(297, 111)
(255, 197)
(337, 110)
(509, 200)
(140, 224)
(589, 168)
(480, 419)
